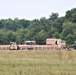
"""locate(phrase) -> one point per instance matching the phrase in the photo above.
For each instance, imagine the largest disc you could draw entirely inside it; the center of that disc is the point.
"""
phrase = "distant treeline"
(20, 30)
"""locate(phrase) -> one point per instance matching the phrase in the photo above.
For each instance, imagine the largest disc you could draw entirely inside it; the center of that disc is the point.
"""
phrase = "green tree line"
(20, 30)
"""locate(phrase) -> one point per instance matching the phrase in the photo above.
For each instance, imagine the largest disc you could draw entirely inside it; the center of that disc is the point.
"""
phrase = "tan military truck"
(13, 46)
(61, 44)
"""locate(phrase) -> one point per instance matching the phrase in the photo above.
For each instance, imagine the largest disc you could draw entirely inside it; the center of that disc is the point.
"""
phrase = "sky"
(34, 9)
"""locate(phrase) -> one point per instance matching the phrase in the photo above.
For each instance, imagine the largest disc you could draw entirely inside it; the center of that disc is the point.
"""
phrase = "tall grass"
(37, 62)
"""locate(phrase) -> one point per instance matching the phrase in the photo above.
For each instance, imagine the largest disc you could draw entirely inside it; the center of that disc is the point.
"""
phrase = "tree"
(21, 35)
(24, 23)
(41, 37)
(1, 26)
(71, 15)
(68, 32)
(10, 37)
(57, 25)
(56, 35)
(68, 28)
(12, 24)
(69, 39)
(3, 39)
(45, 24)
(53, 16)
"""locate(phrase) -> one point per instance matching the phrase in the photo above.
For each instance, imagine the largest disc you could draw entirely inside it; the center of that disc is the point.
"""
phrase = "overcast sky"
(34, 9)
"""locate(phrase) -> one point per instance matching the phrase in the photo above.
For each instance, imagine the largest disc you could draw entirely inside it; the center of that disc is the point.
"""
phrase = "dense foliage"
(20, 30)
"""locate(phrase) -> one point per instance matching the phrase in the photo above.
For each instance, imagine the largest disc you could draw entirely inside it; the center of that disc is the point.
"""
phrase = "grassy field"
(37, 62)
